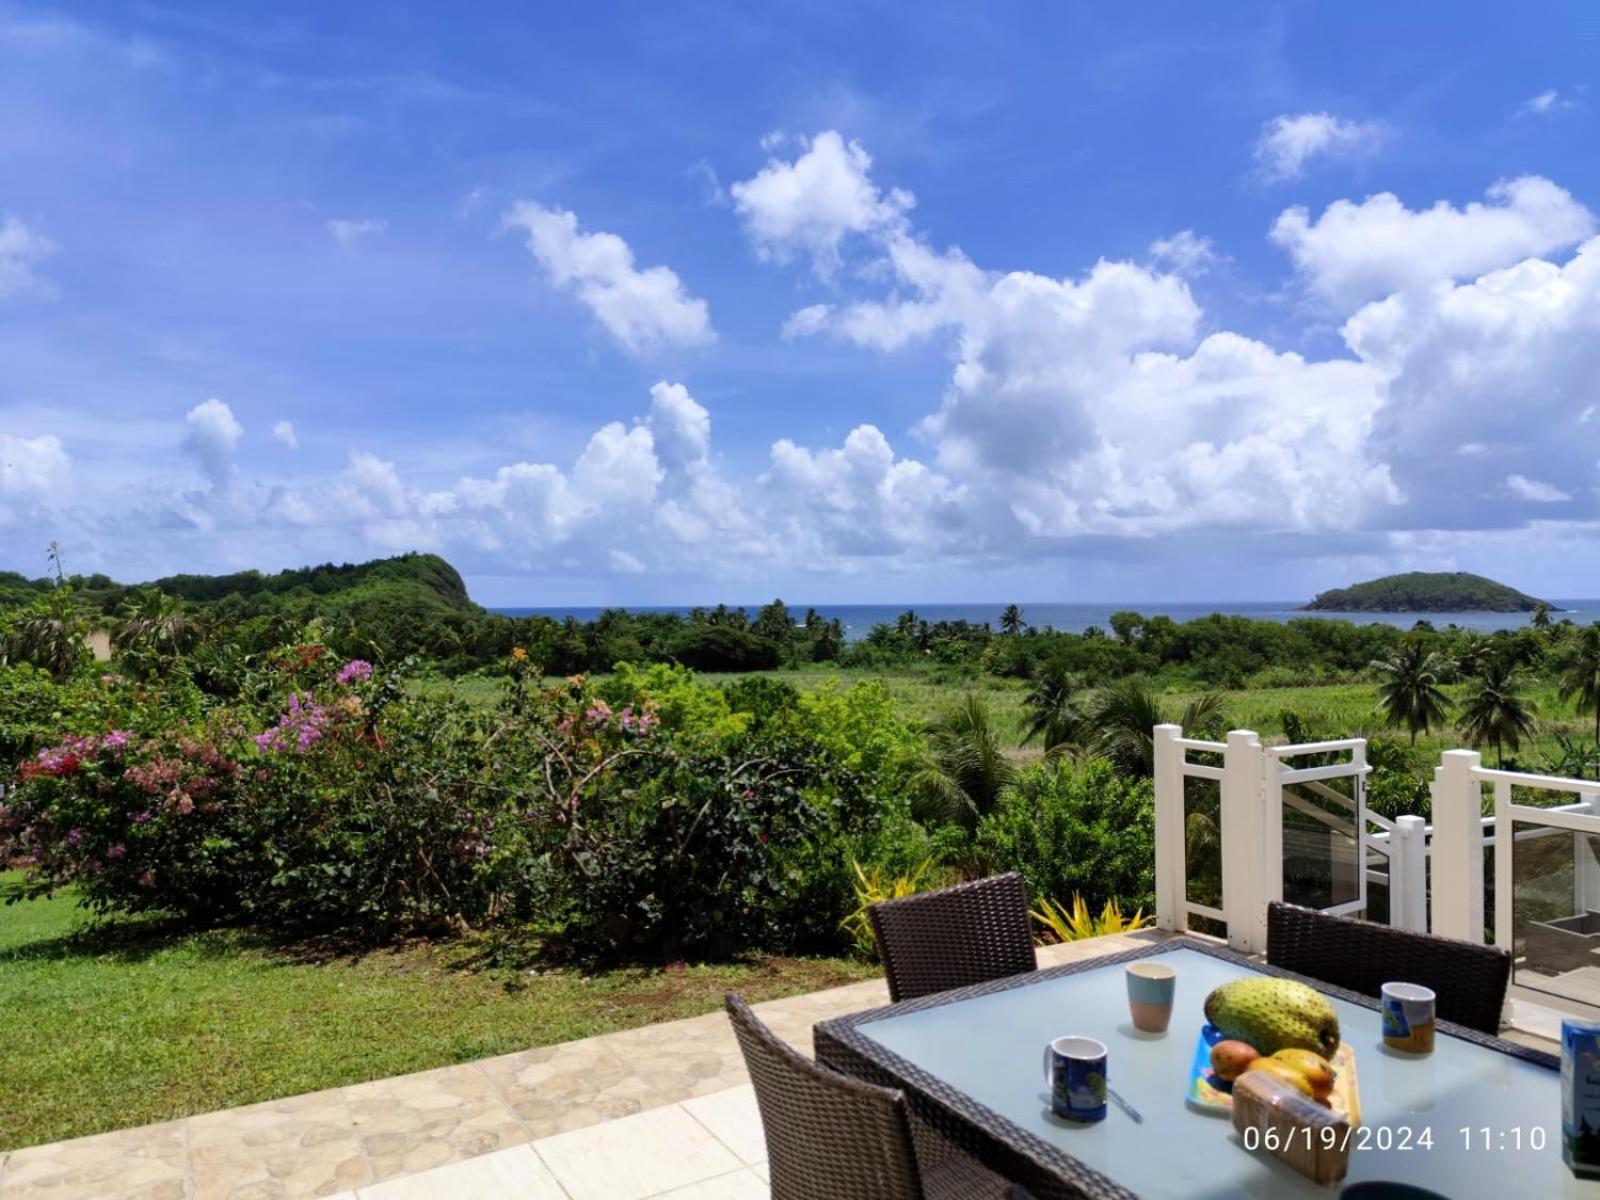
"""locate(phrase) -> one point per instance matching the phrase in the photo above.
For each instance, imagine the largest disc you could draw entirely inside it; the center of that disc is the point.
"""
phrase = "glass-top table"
(1478, 1117)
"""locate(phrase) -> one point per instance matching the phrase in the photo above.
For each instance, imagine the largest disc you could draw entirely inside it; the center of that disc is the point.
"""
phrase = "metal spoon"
(1125, 1106)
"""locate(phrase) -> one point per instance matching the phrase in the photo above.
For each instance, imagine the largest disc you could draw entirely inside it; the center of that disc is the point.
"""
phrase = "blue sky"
(610, 304)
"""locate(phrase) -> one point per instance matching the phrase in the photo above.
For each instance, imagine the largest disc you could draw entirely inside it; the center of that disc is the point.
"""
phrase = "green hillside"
(413, 603)
(1425, 592)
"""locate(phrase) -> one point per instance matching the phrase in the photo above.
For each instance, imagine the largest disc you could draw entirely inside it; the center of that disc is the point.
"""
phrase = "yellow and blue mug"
(1075, 1070)
(1408, 1017)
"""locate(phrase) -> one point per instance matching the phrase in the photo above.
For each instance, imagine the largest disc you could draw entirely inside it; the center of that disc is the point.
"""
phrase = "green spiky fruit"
(1274, 1014)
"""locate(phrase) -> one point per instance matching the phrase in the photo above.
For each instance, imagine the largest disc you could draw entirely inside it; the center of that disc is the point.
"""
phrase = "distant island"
(1427, 592)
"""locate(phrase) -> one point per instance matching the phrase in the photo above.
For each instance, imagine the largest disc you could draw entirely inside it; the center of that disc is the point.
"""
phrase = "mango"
(1274, 1014)
(1231, 1059)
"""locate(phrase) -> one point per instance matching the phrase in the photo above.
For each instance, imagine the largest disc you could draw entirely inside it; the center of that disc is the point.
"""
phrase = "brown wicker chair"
(832, 1136)
(1469, 980)
(961, 935)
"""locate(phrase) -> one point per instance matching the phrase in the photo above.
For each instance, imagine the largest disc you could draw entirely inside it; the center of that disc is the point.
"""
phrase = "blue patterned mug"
(1075, 1070)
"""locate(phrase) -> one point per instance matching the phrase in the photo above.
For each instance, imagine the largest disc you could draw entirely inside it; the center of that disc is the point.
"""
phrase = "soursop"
(1273, 1014)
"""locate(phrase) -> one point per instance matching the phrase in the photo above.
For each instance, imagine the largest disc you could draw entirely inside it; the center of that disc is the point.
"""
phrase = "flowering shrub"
(137, 823)
(644, 815)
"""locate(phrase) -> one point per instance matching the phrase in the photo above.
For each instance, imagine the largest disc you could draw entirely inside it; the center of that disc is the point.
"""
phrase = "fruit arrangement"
(1279, 1027)
(1304, 1070)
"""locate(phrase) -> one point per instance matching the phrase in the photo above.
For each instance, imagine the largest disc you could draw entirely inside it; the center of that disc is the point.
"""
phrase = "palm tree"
(966, 769)
(1496, 713)
(1474, 653)
(1124, 716)
(1054, 715)
(1011, 622)
(50, 642)
(1541, 616)
(1409, 692)
(153, 620)
(1579, 676)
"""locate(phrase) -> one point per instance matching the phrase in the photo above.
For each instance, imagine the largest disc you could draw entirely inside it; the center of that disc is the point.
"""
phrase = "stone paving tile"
(734, 1119)
(412, 1122)
(148, 1163)
(514, 1174)
(740, 1185)
(634, 1157)
(348, 1138)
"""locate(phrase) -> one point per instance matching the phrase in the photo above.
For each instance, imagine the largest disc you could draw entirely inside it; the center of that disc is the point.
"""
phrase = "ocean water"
(858, 619)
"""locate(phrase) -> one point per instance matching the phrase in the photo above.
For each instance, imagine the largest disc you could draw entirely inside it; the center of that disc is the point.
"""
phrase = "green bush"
(1070, 828)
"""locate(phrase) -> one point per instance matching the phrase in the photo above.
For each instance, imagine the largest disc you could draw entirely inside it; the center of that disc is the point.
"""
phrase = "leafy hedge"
(1077, 829)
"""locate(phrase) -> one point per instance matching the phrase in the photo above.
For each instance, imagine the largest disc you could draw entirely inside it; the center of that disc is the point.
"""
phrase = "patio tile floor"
(664, 1110)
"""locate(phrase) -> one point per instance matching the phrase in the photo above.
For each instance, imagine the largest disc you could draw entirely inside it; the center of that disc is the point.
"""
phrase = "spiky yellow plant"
(871, 887)
(1077, 923)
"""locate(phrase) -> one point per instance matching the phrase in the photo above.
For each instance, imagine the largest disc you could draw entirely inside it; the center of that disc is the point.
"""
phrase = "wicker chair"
(1469, 980)
(961, 935)
(832, 1136)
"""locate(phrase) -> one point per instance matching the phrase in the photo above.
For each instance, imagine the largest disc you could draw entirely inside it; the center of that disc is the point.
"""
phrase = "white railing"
(1435, 872)
(1462, 831)
(1252, 796)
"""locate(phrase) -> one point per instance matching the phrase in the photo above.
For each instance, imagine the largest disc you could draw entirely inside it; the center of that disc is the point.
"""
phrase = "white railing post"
(1244, 842)
(1269, 874)
(1171, 868)
(1457, 901)
(1408, 874)
(1586, 875)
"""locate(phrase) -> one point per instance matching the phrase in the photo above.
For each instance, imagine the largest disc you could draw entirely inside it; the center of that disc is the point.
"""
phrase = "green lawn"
(102, 1028)
(1335, 710)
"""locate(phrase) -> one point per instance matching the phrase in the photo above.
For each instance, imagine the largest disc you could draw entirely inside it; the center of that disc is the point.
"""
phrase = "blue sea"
(858, 619)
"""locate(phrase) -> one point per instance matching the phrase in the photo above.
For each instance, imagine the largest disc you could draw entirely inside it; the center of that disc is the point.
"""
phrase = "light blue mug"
(1151, 986)
(1075, 1070)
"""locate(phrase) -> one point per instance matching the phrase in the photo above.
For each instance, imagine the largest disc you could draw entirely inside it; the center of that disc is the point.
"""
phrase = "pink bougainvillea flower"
(354, 671)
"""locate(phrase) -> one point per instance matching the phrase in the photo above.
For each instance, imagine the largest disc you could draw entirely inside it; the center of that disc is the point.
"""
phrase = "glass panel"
(1319, 844)
(1202, 822)
(1377, 886)
(1555, 911)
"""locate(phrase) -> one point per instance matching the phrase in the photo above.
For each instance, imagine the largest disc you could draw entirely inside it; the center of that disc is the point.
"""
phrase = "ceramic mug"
(1408, 1017)
(1150, 989)
(1075, 1070)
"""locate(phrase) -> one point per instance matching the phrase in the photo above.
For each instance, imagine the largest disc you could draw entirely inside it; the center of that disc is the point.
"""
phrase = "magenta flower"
(354, 671)
(116, 739)
(116, 850)
(74, 836)
(142, 817)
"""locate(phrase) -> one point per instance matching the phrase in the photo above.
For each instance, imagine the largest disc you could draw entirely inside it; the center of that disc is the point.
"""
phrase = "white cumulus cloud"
(1361, 251)
(1536, 490)
(21, 251)
(1185, 252)
(284, 434)
(32, 467)
(212, 440)
(349, 232)
(811, 204)
(1546, 103)
(641, 309)
(1287, 143)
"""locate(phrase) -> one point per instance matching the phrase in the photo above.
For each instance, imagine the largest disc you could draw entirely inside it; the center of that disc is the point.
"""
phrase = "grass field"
(117, 1025)
(1335, 710)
